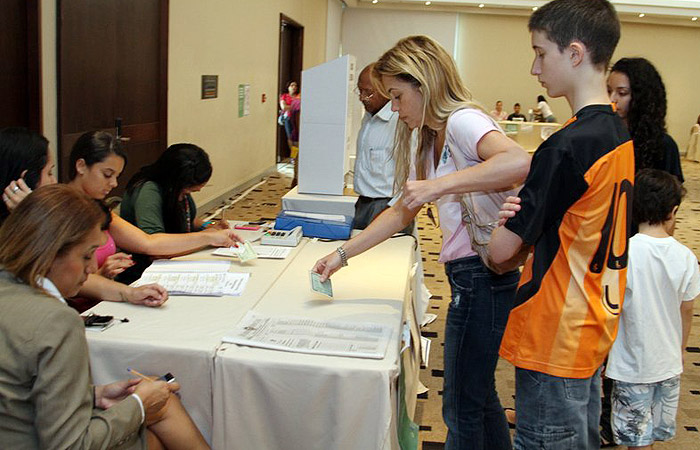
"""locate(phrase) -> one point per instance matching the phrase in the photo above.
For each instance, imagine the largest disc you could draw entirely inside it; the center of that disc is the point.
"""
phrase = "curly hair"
(646, 116)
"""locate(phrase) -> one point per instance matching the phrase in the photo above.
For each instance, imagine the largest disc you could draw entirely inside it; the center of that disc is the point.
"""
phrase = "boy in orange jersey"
(574, 213)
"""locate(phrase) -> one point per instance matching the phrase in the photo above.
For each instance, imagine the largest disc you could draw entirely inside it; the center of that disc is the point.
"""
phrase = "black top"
(671, 161)
(516, 115)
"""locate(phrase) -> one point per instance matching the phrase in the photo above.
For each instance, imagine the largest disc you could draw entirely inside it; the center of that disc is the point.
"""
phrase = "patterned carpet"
(265, 202)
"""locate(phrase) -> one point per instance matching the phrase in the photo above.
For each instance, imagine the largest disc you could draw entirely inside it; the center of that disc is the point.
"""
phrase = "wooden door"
(113, 66)
(20, 92)
(290, 63)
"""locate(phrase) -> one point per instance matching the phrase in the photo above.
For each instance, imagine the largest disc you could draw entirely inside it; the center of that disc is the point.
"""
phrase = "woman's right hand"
(14, 193)
(155, 395)
(222, 238)
(328, 265)
(115, 264)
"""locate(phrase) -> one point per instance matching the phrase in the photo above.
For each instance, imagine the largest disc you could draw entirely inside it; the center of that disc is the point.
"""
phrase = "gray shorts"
(644, 413)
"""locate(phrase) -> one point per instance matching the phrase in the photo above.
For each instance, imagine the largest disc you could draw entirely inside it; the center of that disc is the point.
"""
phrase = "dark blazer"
(46, 395)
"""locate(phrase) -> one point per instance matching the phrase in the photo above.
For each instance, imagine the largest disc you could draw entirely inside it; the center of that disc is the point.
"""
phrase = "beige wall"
(494, 57)
(675, 51)
(239, 42)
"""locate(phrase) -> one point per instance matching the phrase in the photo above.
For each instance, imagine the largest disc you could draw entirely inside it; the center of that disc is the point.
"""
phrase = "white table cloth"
(268, 399)
(180, 337)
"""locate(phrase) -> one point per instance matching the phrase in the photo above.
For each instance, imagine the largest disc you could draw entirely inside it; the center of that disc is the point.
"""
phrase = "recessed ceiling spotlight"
(428, 3)
(642, 15)
(481, 5)
(534, 8)
(694, 19)
(375, 2)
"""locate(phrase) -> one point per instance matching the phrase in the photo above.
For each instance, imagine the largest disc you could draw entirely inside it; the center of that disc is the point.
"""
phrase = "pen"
(138, 374)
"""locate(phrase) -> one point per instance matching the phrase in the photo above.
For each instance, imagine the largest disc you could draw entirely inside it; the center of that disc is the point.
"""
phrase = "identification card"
(323, 288)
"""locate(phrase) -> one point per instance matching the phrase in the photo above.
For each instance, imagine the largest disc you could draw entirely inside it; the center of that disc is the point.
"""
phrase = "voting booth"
(325, 126)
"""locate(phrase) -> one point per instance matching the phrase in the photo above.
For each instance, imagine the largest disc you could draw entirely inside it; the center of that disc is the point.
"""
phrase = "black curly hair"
(646, 115)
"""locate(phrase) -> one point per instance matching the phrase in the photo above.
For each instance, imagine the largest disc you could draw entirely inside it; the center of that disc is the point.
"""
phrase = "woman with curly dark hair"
(636, 87)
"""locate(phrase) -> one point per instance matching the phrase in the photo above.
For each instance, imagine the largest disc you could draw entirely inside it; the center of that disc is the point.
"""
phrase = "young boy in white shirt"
(663, 278)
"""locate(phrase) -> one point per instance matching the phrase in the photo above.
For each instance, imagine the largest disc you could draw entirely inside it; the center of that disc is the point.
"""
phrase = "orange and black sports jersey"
(576, 213)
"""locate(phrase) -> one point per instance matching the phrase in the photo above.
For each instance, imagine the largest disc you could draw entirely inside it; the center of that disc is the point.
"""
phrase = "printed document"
(304, 335)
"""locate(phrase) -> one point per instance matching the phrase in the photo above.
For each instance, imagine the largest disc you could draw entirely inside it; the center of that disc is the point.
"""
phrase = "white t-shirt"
(544, 109)
(661, 274)
(465, 128)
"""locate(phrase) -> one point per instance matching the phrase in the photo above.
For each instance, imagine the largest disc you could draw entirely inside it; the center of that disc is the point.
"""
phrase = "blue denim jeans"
(556, 413)
(476, 319)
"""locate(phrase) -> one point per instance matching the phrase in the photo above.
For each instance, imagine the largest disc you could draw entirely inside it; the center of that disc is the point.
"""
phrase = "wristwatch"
(343, 256)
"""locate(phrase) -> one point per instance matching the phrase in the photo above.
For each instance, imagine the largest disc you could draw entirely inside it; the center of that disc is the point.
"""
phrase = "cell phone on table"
(96, 320)
(168, 377)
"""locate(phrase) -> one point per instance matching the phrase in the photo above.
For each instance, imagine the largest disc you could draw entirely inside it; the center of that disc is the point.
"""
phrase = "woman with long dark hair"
(157, 197)
(637, 89)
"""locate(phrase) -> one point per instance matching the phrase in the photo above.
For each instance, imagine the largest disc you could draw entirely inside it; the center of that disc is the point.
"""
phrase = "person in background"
(544, 111)
(638, 91)
(696, 127)
(286, 100)
(516, 113)
(663, 279)
(424, 87)
(25, 164)
(96, 161)
(374, 163)
(567, 304)
(498, 113)
(47, 251)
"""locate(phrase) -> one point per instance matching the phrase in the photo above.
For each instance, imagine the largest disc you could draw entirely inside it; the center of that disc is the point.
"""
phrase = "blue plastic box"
(325, 229)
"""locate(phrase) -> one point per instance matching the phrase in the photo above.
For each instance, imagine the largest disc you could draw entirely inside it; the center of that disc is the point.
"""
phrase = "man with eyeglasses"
(374, 165)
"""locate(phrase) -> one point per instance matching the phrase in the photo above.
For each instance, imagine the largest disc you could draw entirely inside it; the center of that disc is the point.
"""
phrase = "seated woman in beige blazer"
(47, 250)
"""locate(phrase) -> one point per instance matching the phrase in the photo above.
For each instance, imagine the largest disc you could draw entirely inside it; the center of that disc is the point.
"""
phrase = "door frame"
(281, 138)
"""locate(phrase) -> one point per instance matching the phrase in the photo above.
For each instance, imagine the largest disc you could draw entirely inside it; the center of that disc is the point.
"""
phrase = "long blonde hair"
(47, 224)
(423, 62)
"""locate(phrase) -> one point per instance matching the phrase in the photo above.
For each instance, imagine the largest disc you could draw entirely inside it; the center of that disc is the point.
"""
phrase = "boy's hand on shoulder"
(508, 210)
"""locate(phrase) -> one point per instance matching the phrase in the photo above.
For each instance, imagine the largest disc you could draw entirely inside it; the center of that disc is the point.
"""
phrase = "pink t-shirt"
(107, 250)
(465, 128)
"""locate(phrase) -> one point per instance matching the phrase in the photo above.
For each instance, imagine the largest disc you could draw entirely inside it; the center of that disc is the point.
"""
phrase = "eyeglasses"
(361, 93)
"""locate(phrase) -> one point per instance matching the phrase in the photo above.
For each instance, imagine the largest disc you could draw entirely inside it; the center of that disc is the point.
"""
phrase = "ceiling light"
(428, 3)
(694, 19)
(534, 8)
(642, 15)
(375, 2)
(481, 5)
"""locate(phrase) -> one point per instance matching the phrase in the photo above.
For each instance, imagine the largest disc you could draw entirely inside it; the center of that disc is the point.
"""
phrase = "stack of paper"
(304, 335)
(203, 278)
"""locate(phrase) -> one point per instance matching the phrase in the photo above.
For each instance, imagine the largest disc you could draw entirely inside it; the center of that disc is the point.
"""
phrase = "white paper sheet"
(202, 284)
(303, 335)
(263, 251)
